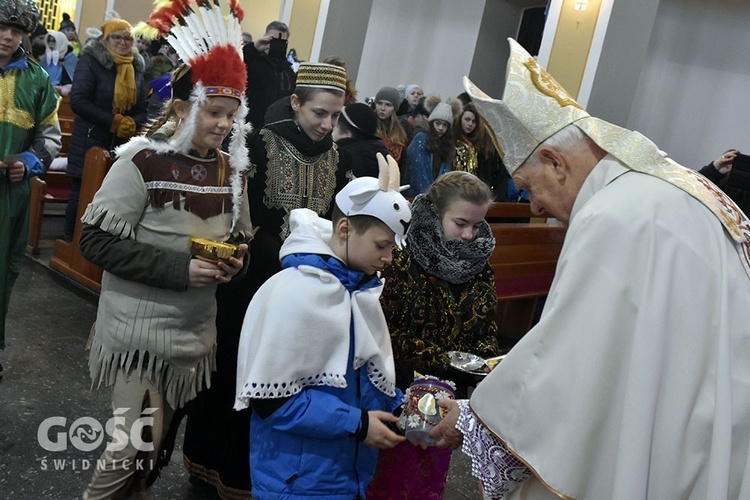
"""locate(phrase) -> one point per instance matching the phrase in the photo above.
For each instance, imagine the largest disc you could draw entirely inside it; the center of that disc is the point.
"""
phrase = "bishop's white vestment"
(635, 383)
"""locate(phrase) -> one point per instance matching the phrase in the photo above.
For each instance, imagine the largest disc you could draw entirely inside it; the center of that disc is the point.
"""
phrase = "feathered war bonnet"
(210, 46)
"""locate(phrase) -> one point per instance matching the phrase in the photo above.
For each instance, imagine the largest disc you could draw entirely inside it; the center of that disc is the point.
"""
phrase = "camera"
(277, 48)
(739, 177)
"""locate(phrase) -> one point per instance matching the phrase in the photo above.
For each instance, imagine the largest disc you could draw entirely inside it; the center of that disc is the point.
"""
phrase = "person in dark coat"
(358, 143)
(269, 74)
(718, 172)
(109, 101)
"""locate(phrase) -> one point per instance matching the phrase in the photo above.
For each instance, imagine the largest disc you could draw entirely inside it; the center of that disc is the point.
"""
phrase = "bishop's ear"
(552, 158)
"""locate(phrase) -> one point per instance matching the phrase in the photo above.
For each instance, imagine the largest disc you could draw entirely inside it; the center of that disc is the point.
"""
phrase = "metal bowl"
(467, 362)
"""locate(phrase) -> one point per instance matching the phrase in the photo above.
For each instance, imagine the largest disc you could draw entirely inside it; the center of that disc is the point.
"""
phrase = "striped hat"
(321, 76)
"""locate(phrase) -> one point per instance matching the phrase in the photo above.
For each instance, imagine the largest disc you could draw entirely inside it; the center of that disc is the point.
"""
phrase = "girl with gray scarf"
(439, 296)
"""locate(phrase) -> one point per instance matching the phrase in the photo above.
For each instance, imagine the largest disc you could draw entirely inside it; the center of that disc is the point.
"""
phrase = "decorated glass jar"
(421, 410)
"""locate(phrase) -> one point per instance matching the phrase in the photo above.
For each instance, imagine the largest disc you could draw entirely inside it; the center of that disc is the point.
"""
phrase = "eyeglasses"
(120, 38)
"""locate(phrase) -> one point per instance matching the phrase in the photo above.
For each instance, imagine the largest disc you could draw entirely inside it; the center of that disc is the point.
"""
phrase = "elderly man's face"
(551, 188)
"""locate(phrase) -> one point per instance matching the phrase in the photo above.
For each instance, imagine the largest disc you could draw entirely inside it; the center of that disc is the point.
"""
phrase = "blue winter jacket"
(308, 447)
(418, 166)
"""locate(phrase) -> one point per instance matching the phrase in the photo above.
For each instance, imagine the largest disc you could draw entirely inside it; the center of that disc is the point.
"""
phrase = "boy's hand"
(233, 266)
(379, 436)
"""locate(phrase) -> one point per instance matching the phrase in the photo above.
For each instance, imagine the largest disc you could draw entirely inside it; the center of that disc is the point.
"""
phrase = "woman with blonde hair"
(439, 296)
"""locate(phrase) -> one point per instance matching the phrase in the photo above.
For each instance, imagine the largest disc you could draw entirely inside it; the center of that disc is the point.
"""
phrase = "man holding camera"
(269, 75)
(735, 184)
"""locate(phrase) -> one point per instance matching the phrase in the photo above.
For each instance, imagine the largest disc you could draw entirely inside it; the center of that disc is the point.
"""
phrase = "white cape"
(296, 329)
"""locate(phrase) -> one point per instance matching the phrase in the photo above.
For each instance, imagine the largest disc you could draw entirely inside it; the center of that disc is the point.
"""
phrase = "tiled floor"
(47, 376)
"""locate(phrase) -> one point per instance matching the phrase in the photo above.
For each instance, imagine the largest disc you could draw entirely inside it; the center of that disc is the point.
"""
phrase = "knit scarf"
(125, 89)
(454, 261)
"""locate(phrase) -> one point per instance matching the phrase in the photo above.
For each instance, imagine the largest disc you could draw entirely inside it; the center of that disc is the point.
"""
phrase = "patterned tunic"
(292, 180)
(427, 316)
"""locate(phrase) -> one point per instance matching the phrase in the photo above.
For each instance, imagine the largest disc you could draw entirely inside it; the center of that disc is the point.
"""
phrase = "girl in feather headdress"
(154, 340)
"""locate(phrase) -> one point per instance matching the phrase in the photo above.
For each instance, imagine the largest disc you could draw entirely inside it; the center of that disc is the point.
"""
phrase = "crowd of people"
(290, 346)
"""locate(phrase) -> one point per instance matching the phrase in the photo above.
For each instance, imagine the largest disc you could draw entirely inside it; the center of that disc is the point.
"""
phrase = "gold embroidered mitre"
(535, 107)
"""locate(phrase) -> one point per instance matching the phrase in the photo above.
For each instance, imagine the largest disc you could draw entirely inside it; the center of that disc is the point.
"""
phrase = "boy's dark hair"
(359, 223)
(346, 128)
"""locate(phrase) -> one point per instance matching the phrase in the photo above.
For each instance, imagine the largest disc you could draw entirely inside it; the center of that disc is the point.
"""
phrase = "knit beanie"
(40, 30)
(389, 94)
(66, 22)
(442, 111)
(115, 25)
(409, 88)
(361, 117)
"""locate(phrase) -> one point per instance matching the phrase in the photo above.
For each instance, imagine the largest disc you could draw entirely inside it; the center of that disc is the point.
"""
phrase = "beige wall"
(133, 11)
(571, 45)
(302, 25)
(258, 13)
(92, 16)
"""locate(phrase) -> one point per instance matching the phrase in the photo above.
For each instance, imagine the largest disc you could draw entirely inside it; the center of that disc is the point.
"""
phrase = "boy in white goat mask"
(315, 359)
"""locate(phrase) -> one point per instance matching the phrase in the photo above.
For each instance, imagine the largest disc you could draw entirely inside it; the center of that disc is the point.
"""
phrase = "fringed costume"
(154, 339)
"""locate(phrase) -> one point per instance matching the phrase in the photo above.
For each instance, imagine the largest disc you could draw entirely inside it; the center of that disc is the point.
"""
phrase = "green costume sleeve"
(135, 261)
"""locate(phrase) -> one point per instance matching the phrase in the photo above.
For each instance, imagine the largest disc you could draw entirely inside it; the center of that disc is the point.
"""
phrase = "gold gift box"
(212, 251)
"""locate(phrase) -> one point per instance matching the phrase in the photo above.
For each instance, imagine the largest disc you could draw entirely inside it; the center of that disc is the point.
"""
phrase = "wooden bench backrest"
(66, 116)
(524, 262)
(67, 257)
(525, 258)
(502, 212)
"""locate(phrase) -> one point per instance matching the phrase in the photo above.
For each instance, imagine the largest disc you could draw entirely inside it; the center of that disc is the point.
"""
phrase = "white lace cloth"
(497, 468)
